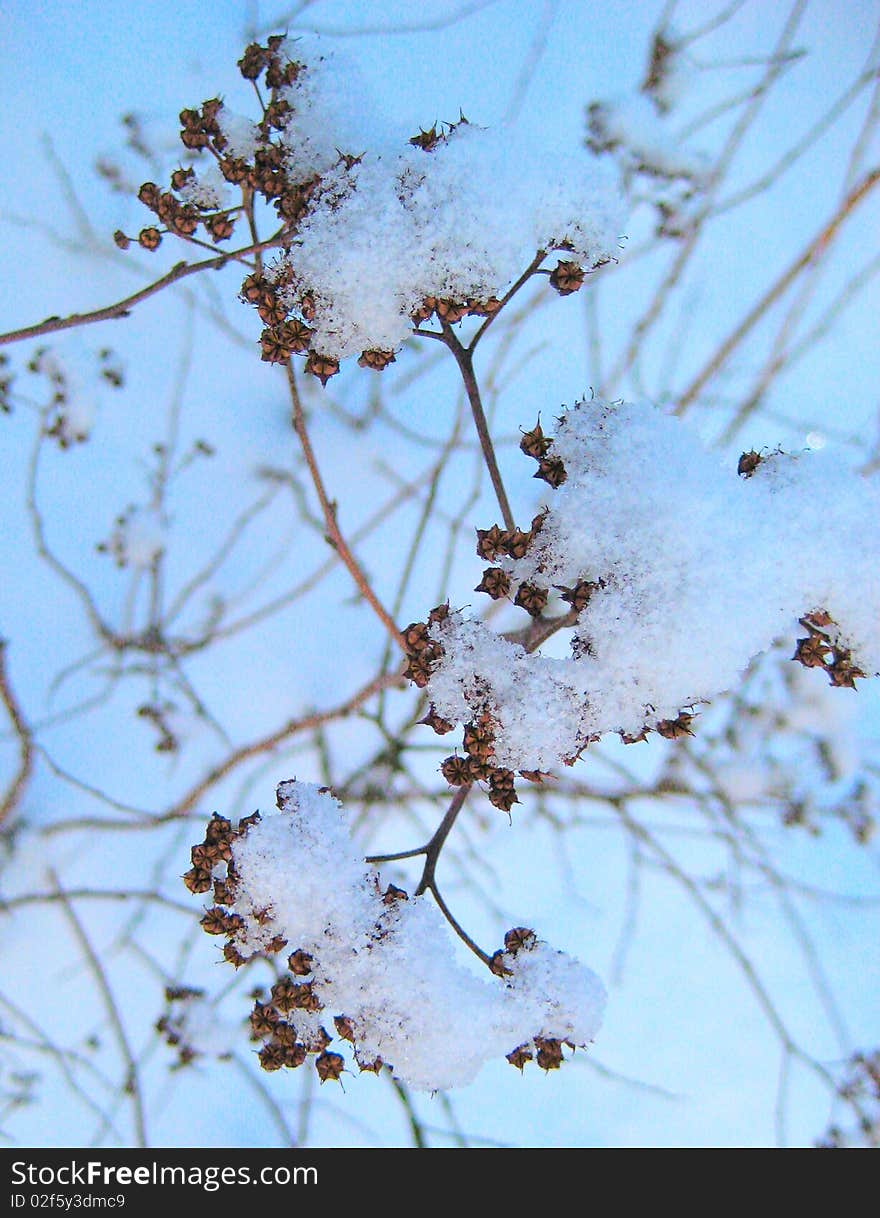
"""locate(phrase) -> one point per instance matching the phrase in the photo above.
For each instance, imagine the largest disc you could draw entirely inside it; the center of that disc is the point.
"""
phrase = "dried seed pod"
(502, 793)
(300, 963)
(416, 637)
(479, 740)
(304, 998)
(344, 1027)
(419, 669)
(252, 61)
(519, 938)
(284, 995)
(517, 543)
(246, 821)
(425, 310)
(672, 729)
(278, 113)
(531, 598)
(263, 1020)
(497, 965)
(534, 775)
(149, 195)
(632, 739)
(218, 922)
(748, 463)
(534, 443)
(284, 1034)
(427, 140)
(495, 583)
(234, 170)
(450, 311)
(549, 1053)
(149, 238)
(273, 347)
(271, 1057)
(219, 829)
(180, 178)
(233, 956)
(579, 596)
(520, 1056)
(813, 651)
(322, 366)
(433, 720)
(254, 288)
(220, 227)
(297, 336)
(552, 471)
(329, 1066)
(568, 277)
(492, 542)
(842, 671)
(456, 770)
(205, 856)
(294, 1056)
(198, 879)
(484, 308)
(376, 359)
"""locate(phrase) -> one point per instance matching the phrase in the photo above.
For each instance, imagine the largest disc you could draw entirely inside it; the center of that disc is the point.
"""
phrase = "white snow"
(702, 571)
(394, 969)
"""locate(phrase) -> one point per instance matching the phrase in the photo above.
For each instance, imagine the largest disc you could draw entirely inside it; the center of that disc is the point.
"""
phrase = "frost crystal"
(382, 969)
(693, 571)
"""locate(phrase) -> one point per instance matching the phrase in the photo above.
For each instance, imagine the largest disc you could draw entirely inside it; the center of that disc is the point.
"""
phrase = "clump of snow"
(697, 571)
(643, 139)
(207, 188)
(388, 227)
(788, 742)
(243, 137)
(392, 967)
(331, 109)
(461, 222)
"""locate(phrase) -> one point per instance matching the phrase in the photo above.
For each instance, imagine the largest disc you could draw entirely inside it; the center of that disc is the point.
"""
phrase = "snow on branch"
(678, 572)
(379, 968)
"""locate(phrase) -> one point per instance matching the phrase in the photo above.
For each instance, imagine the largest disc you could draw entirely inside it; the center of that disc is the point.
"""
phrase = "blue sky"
(686, 1057)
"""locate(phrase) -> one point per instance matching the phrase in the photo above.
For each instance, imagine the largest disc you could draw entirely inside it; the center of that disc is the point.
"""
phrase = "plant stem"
(464, 359)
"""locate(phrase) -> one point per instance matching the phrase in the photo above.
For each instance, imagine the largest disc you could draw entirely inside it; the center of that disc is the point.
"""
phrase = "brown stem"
(328, 508)
(131, 1086)
(825, 235)
(122, 307)
(508, 295)
(435, 845)
(457, 927)
(263, 745)
(464, 359)
(25, 741)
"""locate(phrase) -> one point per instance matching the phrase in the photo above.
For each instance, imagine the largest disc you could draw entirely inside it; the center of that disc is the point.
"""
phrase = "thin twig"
(825, 235)
(132, 1085)
(25, 740)
(122, 308)
(328, 508)
(464, 359)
